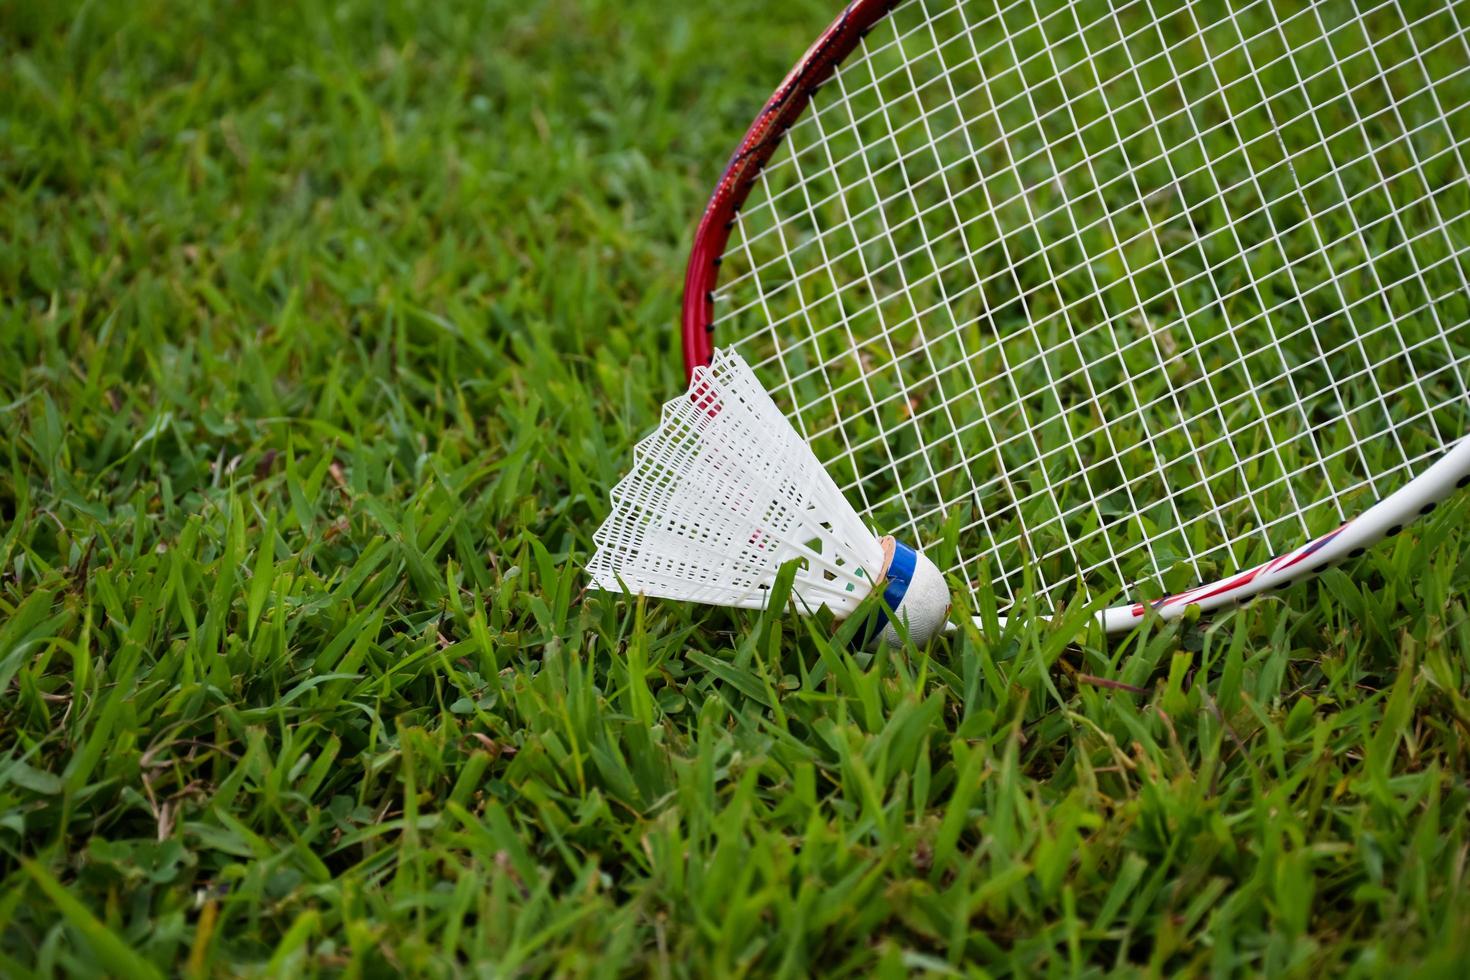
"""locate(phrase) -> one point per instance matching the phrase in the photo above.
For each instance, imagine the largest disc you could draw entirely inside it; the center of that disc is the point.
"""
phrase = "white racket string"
(944, 74)
(1129, 295)
(736, 283)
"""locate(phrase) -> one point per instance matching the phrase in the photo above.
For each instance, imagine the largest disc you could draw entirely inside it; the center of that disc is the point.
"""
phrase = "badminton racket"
(1161, 300)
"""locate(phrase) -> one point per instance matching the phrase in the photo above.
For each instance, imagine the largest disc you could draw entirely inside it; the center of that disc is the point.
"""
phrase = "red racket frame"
(762, 139)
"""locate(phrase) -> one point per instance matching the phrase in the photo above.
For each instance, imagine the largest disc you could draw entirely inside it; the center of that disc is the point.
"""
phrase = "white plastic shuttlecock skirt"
(724, 492)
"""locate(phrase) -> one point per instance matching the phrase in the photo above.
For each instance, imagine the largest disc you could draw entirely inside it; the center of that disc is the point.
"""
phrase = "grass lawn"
(324, 329)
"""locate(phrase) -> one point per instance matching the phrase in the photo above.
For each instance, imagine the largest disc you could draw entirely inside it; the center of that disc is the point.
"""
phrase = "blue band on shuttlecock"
(900, 576)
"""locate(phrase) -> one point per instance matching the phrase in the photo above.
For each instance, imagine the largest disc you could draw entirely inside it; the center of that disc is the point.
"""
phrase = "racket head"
(1111, 298)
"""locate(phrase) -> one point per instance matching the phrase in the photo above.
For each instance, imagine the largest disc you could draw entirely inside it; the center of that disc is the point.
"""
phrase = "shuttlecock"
(725, 491)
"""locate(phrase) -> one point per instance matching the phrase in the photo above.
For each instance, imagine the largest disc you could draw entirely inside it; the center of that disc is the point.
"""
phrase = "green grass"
(323, 332)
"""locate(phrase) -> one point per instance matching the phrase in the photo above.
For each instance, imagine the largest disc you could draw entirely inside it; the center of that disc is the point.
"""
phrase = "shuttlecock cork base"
(914, 589)
(725, 491)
